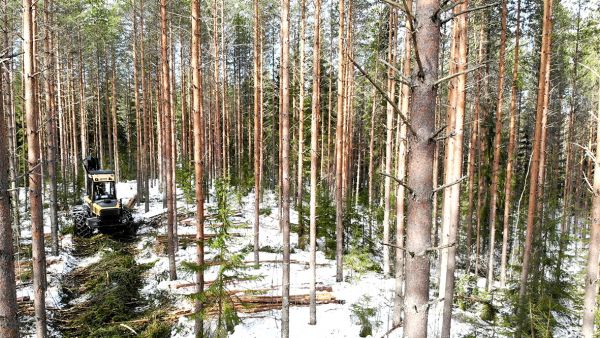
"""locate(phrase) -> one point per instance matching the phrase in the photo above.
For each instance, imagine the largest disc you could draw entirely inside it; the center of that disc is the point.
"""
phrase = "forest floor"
(157, 300)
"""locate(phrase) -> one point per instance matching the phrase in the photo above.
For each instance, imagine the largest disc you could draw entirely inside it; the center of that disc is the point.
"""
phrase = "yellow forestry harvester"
(101, 209)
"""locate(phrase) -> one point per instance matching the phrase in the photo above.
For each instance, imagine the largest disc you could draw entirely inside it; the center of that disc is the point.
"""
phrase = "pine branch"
(400, 78)
(385, 95)
(468, 11)
(451, 76)
(442, 187)
(442, 128)
(399, 181)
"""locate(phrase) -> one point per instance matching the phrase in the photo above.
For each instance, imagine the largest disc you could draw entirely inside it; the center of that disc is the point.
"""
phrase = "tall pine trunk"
(420, 166)
(314, 159)
(35, 170)
(389, 125)
(9, 326)
(285, 166)
(300, 165)
(49, 89)
(257, 127)
(591, 280)
(496, 147)
(454, 149)
(198, 158)
(535, 157)
(166, 111)
(401, 175)
(512, 136)
(339, 204)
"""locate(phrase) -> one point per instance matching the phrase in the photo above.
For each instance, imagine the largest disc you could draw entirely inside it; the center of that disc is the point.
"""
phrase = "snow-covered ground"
(333, 320)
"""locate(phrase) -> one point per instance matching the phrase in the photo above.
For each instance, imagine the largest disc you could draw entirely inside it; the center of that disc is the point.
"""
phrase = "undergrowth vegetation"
(104, 298)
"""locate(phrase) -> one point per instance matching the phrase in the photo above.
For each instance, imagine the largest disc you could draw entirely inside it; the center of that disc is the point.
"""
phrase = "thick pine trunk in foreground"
(35, 172)
(420, 167)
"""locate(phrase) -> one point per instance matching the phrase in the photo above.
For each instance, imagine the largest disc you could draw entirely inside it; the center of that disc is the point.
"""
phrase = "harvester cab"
(100, 209)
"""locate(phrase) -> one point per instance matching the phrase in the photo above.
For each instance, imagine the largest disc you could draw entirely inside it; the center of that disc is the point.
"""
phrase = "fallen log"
(253, 304)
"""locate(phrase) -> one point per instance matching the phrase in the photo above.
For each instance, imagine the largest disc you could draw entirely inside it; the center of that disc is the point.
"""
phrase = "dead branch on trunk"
(385, 95)
(442, 187)
(451, 76)
(468, 11)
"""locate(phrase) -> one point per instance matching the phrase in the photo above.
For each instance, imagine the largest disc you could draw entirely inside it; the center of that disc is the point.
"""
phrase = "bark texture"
(420, 167)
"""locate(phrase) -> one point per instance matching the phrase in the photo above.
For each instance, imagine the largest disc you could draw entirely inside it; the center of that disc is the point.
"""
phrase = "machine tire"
(126, 220)
(81, 228)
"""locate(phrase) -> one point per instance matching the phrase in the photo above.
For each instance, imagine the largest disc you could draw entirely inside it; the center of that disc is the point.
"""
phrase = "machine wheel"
(81, 228)
(127, 221)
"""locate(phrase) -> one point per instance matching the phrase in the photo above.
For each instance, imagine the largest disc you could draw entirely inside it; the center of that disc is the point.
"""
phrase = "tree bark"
(314, 159)
(420, 166)
(569, 132)
(9, 325)
(146, 115)
(166, 111)
(285, 165)
(34, 169)
(451, 207)
(339, 204)
(497, 145)
(198, 158)
(401, 175)
(115, 122)
(52, 136)
(591, 280)
(301, 240)
(389, 125)
(537, 141)
(511, 150)
(257, 128)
